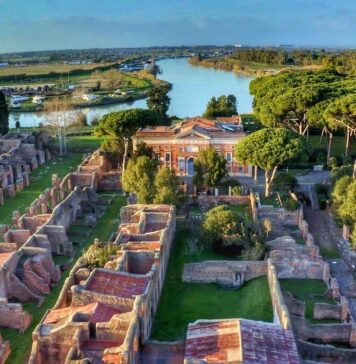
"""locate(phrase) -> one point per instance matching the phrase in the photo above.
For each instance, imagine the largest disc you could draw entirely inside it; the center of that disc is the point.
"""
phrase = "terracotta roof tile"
(240, 341)
(99, 312)
(118, 284)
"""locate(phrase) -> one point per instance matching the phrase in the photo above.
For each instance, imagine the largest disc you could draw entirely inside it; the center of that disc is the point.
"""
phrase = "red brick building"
(178, 145)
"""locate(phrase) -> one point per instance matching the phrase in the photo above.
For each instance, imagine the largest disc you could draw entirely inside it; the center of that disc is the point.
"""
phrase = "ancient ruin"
(104, 314)
(27, 269)
(20, 153)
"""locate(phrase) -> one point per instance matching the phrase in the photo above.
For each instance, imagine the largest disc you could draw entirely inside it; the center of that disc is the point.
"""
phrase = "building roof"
(118, 284)
(240, 341)
(98, 312)
(197, 125)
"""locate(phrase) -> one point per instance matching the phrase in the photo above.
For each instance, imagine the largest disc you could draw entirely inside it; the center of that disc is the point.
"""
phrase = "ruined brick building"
(105, 314)
(20, 153)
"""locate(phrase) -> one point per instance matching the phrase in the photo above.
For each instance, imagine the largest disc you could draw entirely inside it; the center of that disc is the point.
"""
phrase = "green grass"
(329, 252)
(309, 291)
(40, 179)
(338, 145)
(183, 303)
(21, 344)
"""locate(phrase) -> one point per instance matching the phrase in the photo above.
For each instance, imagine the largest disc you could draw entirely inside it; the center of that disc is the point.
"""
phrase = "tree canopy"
(4, 115)
(150, 184)
(158, 101)
(138, 178)
(288, 99)
(268, 149)
(167, 187)
(228, 232)
(124, 124)
(209, 168)
(221, 106)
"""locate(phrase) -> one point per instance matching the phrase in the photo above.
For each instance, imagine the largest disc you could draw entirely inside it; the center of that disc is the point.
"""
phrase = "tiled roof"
(98, 312)
(240, 341)
(4, 257)
(117, 284)
(198, 124)
(145, 245)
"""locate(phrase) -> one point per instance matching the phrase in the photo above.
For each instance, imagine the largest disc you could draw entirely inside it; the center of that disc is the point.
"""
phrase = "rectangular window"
(167, 157)
(241, 169)
(229, 157)
(181, 150)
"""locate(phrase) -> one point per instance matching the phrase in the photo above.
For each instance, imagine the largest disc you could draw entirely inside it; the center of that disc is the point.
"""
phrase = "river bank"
(246, 68)
(190, 90)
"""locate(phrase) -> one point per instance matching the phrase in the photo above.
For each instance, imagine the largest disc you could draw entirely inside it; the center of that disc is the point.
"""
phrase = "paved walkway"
(328, 237)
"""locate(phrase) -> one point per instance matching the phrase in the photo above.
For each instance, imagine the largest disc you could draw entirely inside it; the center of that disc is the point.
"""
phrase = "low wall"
(325, 353)
(215, 270)
(323, 333)
(280, 311)
(324, 311)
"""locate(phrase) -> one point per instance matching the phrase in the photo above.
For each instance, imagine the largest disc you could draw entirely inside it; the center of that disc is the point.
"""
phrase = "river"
(193, 86)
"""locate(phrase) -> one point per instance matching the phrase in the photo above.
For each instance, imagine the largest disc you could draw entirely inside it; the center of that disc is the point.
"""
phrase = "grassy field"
(40, 179)
(21, 344)
(182, 303)
(42, 69)
(309, 291)
(86, 141)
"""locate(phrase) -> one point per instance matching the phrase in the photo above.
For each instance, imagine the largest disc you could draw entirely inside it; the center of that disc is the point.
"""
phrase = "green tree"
(124, 124)
(286, 98)
(268, 149)
(158, 101)
(143, 149)
(224, 228)
(222, 106)
(347, 210)
(114, 149)
(340, 189)
(342, 112)
(138, 179)
(167, 187)
(209, 168)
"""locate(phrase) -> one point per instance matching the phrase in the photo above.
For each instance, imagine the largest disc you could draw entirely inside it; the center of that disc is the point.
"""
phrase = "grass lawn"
(86, 141)
(21, 344)
(338, 145)
(40, 179)
(329, 252)
(183, 303)
(309, 291)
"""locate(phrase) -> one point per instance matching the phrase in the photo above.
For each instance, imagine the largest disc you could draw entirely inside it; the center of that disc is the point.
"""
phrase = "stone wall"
(280, 310)
(229, 272)
(20, 153)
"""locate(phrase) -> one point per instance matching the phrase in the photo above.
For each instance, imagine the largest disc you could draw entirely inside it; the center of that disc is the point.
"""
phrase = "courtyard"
(183, 303)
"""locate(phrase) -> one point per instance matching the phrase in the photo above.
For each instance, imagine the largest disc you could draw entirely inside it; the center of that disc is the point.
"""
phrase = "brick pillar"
(344, 303)
(15, 217)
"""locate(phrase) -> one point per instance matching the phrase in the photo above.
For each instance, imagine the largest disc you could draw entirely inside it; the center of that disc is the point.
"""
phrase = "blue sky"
(61, 24)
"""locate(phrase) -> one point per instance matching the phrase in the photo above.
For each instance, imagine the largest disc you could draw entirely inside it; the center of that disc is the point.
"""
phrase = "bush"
(227, 232)
(289, 203)
(98, 254)
(285, 181)
(237, 191)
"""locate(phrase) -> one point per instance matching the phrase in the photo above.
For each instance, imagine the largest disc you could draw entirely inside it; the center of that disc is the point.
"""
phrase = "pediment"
(192, 134)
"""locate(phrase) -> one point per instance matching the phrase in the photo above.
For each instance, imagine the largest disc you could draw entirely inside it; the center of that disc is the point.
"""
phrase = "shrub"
(98, 254)
(237, 190)
(227, 232)
(285, 181)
